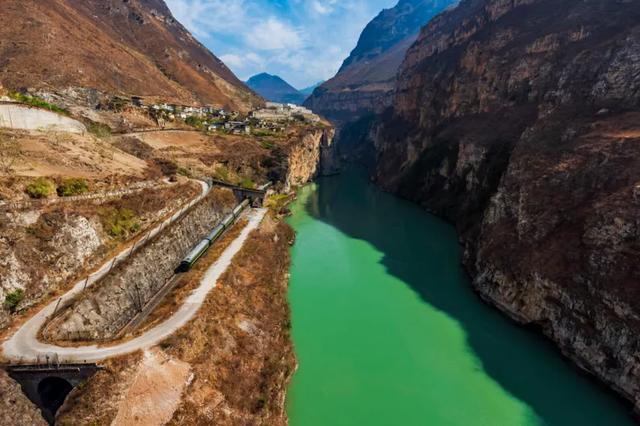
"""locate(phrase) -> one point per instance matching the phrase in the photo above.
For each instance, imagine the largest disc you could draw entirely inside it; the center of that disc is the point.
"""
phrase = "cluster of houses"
(274, 117)
(285, 112)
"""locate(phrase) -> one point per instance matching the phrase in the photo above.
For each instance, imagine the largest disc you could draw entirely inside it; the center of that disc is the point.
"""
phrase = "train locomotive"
(201, 248)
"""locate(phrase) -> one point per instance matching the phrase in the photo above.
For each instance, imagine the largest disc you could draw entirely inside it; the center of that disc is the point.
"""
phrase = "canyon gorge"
(458, 217)
(517, 121)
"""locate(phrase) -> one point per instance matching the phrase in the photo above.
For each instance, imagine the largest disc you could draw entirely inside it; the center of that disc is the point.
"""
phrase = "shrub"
(13, 299)
(277, 202)
(267, 144)
(194, 121)
(72, 186)
(120, 223)
(40, 188)
(37, 102)
(221, 173)
(99, 130)
(247, 183)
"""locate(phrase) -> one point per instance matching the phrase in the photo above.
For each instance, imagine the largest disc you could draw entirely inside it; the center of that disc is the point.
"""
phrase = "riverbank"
(388, 330)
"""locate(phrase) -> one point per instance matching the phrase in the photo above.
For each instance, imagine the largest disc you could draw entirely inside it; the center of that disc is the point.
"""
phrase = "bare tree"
(9, 153)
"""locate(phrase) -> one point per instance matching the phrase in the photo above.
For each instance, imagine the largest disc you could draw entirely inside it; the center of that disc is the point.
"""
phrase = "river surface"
(388, 331)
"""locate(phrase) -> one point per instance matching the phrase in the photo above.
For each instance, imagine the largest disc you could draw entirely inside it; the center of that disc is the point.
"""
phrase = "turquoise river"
(389, 332)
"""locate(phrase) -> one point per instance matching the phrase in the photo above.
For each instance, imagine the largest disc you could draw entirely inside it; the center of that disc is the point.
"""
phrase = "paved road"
(24, 344)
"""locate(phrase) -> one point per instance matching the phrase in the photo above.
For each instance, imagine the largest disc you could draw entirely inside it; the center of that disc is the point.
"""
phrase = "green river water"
(388, 331)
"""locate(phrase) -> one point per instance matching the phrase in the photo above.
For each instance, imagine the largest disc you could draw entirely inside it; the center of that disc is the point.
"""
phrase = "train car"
(239, 209)
(215, 234)
(193, 256)
(228, 220)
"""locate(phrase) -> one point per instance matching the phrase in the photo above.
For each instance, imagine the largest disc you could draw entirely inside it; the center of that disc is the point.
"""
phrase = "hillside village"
(273, 117)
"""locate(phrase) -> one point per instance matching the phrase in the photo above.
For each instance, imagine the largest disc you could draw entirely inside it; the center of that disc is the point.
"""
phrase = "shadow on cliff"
(423, 252)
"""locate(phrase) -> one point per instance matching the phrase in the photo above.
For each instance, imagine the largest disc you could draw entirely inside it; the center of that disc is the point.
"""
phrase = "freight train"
(202, 247)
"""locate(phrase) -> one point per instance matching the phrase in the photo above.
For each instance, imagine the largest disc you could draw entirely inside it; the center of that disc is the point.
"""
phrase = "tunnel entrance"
(52, 392)
(48, 385)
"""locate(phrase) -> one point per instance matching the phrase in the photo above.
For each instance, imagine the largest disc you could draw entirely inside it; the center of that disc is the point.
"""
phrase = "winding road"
(24, 346)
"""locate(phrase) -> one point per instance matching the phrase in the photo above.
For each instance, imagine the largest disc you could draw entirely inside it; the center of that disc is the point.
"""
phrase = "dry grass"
(108, 387)
(239, 346)
(190, 281)
(36, 240)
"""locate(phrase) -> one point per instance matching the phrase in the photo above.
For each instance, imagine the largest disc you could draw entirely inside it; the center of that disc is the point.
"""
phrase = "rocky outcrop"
(136, 48)
(312, 156)
(109, 305)
(15, 407)
(517, 120)
(366, 81)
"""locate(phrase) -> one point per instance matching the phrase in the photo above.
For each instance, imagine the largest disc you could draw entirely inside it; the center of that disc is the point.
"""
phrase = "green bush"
(40, 188)
(13, 299)
(99, 130)
(267, 144)
(276, 202)
(120, 223)
(247, 183)
(72, 186)
(222, 173)
(37, 102)
(194, 121)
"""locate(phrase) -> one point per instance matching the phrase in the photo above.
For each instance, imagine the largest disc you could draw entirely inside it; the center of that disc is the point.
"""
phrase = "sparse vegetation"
(72, 186)
(276, 203)
(99, 130)
(221, 173)
(13, 299)
(9, 153)
(267, 144)
(247, 183)
(40, 188)
(37, 102)
(195, 121)
(120, 223)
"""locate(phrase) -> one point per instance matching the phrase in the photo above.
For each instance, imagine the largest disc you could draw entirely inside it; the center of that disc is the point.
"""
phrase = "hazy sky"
(303, 41)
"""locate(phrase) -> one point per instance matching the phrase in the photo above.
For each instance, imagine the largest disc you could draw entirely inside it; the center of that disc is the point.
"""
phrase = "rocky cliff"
(313, 155)
(518, 121)
(133, 47)
(365, 82)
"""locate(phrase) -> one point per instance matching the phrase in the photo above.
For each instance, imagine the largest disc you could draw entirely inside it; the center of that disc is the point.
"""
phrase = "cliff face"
(133, 47)
(518, 121)
(365, 82)
(312, 156)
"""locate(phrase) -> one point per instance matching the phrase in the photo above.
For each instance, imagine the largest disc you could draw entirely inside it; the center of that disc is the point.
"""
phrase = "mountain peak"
(274, 88)
(136, 47)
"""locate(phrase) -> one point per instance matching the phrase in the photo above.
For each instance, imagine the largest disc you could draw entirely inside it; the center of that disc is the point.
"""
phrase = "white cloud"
(273, 34)
(303, 41)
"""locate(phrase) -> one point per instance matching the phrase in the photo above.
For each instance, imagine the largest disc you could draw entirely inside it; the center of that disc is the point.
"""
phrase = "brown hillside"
(133, 47)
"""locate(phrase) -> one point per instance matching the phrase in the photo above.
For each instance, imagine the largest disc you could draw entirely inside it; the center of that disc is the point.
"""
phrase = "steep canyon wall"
(518, 121)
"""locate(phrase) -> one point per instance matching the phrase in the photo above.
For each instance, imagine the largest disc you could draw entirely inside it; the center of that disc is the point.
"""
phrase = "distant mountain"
(365, 82)
(275, 89)
(133, 47)
(309, 90)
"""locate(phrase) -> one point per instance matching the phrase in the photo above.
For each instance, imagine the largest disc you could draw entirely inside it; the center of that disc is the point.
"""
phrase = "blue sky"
(303, 41)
